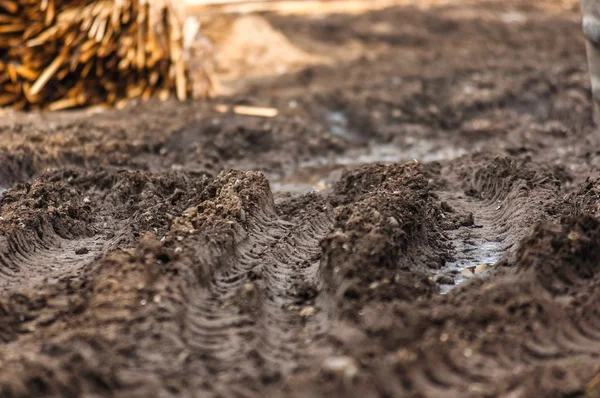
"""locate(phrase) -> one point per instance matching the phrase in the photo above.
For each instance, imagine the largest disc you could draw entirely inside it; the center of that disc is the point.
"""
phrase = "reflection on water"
(319, 174)
(486, 254)
(338, 124)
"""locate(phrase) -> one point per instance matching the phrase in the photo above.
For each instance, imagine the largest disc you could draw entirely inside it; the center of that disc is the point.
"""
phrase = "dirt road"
(419, 220)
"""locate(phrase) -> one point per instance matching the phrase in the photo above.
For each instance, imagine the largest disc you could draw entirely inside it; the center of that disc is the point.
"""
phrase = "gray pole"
(591, 30)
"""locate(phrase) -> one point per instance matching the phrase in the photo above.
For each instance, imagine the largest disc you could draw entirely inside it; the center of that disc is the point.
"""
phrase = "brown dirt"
(420, 220)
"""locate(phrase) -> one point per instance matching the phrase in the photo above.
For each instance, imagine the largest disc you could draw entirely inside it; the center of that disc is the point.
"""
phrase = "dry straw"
(60, 54)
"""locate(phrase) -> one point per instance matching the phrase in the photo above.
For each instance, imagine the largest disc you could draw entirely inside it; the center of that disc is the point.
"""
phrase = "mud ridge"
(386, 236)
(55, 259)
(256, 294)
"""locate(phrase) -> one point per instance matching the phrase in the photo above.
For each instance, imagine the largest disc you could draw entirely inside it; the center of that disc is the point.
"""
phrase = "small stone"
(405, 355)
(444, 280)
(573, 235)
(82, 250)
(446, 207)
(242, 215)
(308, 311)
(393, 222)
(156, 299)
(86, 199)
(341, 366)
(466, 272)
(468, 221)
(481, 268)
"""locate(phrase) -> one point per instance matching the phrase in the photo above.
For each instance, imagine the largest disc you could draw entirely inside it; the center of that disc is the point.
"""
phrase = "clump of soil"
(384, 235)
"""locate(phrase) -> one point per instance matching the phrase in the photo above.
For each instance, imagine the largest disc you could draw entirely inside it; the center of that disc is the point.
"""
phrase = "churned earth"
(420, 220)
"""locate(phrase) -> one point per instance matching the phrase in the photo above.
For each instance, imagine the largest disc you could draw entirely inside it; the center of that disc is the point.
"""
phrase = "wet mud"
(418, 221)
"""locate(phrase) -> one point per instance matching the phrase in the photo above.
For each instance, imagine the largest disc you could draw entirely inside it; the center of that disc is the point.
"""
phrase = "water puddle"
(308, 178)
(479, 257)
(424, 151)
(320, 174)
(338, 124)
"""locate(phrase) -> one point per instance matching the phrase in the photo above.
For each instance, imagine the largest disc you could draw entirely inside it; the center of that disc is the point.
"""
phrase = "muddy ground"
(420, 220)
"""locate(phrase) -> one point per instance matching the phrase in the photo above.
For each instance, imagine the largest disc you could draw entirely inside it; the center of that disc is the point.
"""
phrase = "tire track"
(46, 249)
(497, 198)
(73, 219)
(493, 337)
(507, 369)
(262, 308)
(33, 263)
(289, 325)
(552, 333)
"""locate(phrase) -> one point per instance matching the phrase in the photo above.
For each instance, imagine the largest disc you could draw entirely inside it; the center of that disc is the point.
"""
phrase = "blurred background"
(58, 54)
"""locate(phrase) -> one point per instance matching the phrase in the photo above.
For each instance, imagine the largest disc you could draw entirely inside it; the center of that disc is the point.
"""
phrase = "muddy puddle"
(321, 173)
(478, 258)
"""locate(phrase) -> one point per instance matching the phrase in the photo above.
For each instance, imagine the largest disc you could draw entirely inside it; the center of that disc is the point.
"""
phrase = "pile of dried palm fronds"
(59, 54)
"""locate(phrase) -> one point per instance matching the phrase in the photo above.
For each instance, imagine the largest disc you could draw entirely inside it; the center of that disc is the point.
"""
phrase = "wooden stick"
(46, 75)
(62, 104)
(255, 111)
(9, 6)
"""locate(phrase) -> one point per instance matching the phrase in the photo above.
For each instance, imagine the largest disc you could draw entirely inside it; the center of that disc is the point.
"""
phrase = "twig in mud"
(257, 111)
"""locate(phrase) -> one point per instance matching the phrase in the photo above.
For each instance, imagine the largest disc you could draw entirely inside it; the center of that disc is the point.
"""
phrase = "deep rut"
(35, 263)
(266, 305)
(500, 211)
